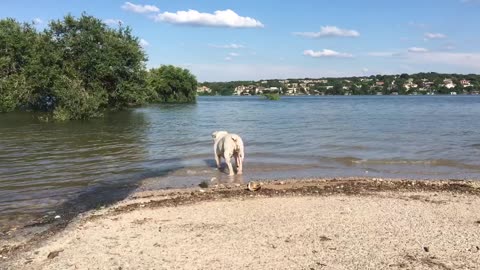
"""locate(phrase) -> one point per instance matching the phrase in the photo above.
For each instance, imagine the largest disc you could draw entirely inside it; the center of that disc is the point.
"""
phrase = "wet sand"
(308, 224)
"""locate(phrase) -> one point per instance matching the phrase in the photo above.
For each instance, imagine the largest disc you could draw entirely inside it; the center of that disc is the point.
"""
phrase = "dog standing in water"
(228, 145)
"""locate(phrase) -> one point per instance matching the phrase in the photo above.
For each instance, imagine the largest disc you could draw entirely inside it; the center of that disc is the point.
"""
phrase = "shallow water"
(47, 166)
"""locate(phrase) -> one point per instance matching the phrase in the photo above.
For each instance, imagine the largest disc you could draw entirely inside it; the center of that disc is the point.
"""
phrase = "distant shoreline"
(139, 208)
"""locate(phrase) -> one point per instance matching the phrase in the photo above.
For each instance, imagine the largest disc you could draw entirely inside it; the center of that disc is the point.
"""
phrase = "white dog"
(228, 145)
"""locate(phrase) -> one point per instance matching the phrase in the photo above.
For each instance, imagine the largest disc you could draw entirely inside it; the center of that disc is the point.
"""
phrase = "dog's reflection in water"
(222, 178)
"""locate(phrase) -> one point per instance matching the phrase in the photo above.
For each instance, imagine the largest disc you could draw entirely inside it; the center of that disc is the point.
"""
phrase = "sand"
(355, 224)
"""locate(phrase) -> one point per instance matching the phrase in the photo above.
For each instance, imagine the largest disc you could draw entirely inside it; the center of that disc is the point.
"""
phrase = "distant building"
(203, 90)
(465, 83)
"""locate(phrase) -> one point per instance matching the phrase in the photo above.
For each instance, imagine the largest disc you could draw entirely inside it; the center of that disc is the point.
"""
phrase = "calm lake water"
(47, 167)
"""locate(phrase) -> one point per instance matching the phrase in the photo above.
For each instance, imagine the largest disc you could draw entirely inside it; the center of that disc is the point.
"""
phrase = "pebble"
(57, 217)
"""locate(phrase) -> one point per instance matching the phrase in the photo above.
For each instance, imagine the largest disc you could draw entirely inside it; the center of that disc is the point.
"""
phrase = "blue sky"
(250, 40)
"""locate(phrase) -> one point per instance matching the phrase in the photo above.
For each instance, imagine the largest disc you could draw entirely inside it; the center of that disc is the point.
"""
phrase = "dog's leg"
(217, 160)
(229, 164)
(238, 162)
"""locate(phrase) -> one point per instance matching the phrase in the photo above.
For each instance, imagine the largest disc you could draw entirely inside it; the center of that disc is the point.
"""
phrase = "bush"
(75, 69)
(272, 96)
(172, 85)
(79, 67)
(13, 89)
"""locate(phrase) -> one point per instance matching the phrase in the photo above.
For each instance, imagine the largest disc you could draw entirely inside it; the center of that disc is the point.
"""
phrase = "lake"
(52, 168)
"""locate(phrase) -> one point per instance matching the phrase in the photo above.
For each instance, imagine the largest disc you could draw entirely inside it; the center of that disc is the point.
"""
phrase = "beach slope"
(310, 224)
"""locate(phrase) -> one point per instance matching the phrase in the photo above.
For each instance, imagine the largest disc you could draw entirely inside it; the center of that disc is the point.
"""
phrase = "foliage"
(16, 53)
(225, 88)
(272, 96)
(172, 84)
(427, 83)
(77, 68)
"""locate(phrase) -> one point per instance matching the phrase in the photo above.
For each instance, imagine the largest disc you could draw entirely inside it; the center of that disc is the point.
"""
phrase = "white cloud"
(329, 31)
(37, 21)
(220, 18)
(140, 8)
(417, 50)
(383, 54)
(228, 58)
(144, 43)
(228, 46)
(364, 70)
(113, 21)
(434, 36)
(233, 54)
(326, 53)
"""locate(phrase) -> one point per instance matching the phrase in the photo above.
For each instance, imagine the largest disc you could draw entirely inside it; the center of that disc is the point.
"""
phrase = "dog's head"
(218, 134)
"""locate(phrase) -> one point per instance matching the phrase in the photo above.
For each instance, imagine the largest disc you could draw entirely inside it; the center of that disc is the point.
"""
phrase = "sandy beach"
(308, 224)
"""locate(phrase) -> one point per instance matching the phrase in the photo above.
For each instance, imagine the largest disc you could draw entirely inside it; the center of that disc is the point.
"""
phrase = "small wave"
(475, 145)
(433, 162)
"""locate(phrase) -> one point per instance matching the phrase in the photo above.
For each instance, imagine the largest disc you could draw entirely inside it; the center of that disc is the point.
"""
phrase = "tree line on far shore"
(78, 68)
(403, 84)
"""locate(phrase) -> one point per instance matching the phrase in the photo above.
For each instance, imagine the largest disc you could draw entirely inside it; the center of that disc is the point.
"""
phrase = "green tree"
(75, 69)
(172, 84)
(16, 52)
(109, 62)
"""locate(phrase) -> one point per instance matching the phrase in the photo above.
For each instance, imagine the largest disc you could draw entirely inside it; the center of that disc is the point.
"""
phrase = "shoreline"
(284, 190)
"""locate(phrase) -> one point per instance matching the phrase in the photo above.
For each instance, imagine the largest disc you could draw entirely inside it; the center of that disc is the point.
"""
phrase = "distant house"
(260, 90)
(379, 83)
(465, 83)
(203, 90)
(291, 91)
(244, 90)
(427, 84)
(448, 83)
(272, 89)
(410, 84)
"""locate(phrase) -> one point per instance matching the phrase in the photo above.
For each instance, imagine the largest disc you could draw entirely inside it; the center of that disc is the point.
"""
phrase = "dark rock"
(54, 254)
